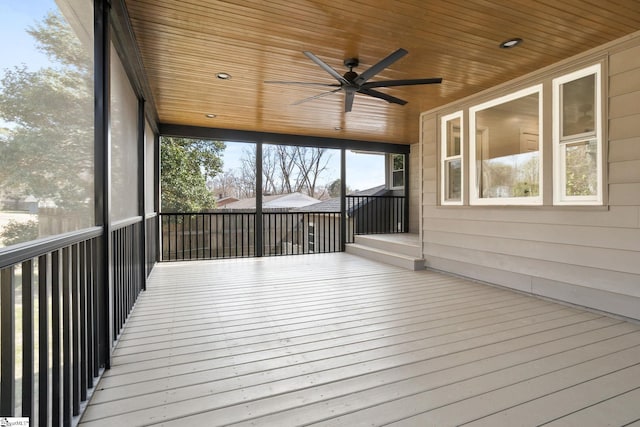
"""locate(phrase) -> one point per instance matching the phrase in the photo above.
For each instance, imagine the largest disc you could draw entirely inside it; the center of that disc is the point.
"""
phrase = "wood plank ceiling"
(184, 43)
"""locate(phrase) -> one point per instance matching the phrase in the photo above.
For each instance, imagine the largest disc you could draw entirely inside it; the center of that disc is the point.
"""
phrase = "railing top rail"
(25, 251)
(250, 213)
(116, 225)
(219, 212)
(374, 197)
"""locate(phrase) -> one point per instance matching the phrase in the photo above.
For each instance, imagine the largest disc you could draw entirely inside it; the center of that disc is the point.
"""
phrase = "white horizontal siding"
(553, 251)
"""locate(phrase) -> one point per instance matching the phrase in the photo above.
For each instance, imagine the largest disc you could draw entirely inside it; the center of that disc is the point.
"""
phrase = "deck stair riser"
(402, 251)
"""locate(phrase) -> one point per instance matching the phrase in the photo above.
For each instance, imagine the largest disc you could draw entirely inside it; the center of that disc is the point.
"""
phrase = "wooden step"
(387, 257)
(403, 244)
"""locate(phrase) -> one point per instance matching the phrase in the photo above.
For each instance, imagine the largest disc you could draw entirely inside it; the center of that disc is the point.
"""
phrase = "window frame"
(392, 171)
(474, 197)
(444, 158)
(559, 141)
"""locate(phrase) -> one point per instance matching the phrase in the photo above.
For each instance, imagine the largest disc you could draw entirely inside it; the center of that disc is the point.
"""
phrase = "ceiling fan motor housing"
(351, 63)
(350, 76)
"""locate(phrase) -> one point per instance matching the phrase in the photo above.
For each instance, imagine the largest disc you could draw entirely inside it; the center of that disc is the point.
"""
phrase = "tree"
(333, 188)
(47, 151)
(186, 165)
(311, 163)
(225, 184)
(285, 169)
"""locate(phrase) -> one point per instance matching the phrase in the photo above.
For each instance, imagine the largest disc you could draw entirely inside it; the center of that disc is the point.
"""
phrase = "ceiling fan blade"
(380, 95)
(326, 67)
(390, 83)
(316, 96)
(348, 100)
(277, 82)
(376, 68)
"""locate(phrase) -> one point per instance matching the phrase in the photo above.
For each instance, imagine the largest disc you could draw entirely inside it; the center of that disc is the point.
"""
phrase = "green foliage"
(19, 232)
(48, 150)
(186, 164)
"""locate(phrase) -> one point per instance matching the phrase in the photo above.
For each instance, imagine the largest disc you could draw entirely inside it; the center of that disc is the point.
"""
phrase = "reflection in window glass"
(46, 119)
(578, 101)
(507, 149)
(453, 137)
(398, 171)
(451, 149)
(453, 179)
(581, 168)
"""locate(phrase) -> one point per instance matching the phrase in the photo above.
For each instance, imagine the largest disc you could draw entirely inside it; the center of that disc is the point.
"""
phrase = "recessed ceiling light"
(337, 128)
(223, 76)
(210, 116)
(507, 44)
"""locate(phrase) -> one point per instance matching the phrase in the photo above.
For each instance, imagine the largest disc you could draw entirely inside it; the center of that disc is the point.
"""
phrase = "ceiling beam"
(232, 135)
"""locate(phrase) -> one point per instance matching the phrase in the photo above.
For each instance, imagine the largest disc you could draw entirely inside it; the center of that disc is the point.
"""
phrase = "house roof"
(333, 204)
(182, 44)
(225, 201)
(278, 201)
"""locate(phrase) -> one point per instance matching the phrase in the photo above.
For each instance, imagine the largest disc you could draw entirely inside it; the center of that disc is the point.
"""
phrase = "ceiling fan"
(351, 82)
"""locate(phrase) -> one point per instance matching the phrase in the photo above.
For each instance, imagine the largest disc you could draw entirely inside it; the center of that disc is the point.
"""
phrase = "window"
(506, 150)
(397, 171)
(577, 136)
(452, 156)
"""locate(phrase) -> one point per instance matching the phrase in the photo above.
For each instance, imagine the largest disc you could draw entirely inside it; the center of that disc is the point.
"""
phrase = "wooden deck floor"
(336, 340)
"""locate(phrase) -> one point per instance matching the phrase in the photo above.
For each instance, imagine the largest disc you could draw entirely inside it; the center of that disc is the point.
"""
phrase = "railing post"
(343, 199)
(7, 340)
(28, 366)
(156, 197)
(405, 220)
(102, 50)
(142, 180)
(259, 224)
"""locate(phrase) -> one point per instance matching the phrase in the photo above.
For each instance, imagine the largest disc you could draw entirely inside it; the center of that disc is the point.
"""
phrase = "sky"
(16, 46)
(363, 170)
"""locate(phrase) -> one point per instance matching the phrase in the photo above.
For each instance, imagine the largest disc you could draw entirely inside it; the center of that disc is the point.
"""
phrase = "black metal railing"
(52, 331)
(210, 235)
(214, 235)
(224, 234)
(55, 319)
(297, 233)
(128, 270)
(375, 215)
(151, 234)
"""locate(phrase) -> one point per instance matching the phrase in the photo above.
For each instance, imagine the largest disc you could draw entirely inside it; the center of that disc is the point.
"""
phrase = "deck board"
(338, 340)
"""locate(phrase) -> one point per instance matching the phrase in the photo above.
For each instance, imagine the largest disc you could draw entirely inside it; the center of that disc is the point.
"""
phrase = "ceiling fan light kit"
(351, 82)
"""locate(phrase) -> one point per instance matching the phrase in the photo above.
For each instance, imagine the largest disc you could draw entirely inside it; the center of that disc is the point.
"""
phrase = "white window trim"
(559, 171)
(391, 170)
(443, 158)
(474, 197)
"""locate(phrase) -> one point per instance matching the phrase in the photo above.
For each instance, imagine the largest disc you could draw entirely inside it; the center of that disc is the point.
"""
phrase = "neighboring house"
(223, 201)
(277, 201)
